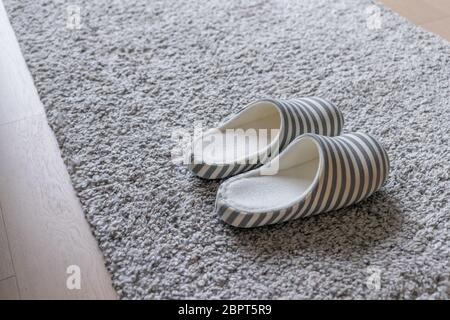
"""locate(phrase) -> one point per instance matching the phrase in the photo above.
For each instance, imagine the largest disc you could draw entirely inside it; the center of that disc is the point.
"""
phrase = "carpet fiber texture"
(115, 89)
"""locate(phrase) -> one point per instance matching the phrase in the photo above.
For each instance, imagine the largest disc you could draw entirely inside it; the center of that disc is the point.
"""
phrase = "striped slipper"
(259, 132)
(316, 174)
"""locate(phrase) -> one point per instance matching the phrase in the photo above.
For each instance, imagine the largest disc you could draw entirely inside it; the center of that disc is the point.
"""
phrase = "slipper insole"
(273, 191)
(227, 146)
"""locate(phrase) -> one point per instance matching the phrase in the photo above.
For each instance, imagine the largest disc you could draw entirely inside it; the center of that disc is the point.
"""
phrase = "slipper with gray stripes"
(314, 174)
(260, 132)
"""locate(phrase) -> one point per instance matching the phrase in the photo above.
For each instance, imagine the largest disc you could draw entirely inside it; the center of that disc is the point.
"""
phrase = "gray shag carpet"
(115, 89)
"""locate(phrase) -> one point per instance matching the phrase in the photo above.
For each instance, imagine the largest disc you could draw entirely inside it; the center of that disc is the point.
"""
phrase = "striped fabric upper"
(298, 116)
(308, 115)
(353, 166)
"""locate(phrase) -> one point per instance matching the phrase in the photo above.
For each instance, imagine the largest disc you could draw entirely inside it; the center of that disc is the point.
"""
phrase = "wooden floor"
(432, 15)
(42, 227)
(43, 231)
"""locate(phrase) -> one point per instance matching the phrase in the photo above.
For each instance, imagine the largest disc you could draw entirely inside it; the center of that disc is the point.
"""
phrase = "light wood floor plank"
(6, 267)
(46, 227)
(443, 5)
(440, 27)
(17, 91)
(417, 11)
(8, 289)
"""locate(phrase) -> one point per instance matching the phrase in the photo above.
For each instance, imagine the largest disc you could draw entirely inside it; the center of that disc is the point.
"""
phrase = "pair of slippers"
(288, 160)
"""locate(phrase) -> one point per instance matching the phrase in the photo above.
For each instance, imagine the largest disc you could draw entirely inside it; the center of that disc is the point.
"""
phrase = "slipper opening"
(246, 136)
